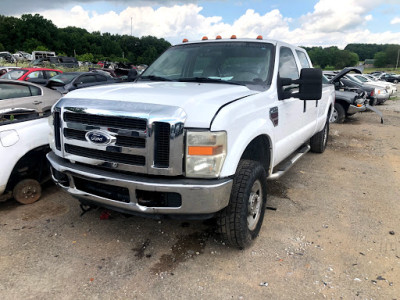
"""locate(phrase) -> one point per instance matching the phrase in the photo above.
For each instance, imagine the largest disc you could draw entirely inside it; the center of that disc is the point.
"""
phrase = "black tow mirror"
(309, 83)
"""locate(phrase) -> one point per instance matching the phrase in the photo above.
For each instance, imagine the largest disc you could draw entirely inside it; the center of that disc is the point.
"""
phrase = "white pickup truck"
(197, 135)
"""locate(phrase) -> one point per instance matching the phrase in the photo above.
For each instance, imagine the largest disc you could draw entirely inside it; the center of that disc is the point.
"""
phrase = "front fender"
(31, 134)
(243, 120)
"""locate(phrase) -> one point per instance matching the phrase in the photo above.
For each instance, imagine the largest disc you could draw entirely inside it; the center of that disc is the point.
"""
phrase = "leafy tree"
(1, 47)
(380, 59)
(31, 44)
(365, 51)
(85, 57)
(392, 51)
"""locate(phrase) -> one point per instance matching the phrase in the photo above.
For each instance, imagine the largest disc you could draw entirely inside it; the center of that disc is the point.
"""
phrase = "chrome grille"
(125, 141)
(108, 155)
(140, 138)
(100, 120)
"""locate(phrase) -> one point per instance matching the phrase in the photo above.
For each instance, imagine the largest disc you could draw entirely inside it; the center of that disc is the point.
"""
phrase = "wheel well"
(32, 165)
(343, 103)
(259, 149)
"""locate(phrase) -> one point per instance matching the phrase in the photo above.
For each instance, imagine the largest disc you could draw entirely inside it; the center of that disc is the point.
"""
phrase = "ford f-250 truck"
(197, 135)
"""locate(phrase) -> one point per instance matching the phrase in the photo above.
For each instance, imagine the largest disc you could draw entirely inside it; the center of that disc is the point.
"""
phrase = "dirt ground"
(332, 231)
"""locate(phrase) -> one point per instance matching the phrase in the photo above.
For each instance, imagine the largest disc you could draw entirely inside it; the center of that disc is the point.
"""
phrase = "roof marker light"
(204, 38)
(185, 40)
(260, 37)
(233, 37)
(218, 37)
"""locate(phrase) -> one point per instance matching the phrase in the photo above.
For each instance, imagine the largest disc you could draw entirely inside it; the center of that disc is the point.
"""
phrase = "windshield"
(219, 62)
(63, 78)
(14, 74)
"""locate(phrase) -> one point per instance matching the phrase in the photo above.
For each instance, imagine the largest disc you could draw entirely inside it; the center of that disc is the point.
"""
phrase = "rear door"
(37, 77)
(297, 118)
(20, 96)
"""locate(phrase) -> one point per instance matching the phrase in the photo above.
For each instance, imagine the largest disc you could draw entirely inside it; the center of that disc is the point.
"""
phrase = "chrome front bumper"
(198, 196)
(354, 109)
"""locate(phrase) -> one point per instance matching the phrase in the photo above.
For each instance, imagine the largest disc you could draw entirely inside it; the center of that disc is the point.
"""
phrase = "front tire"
(240, 222)
(338, 114)
(27, 191)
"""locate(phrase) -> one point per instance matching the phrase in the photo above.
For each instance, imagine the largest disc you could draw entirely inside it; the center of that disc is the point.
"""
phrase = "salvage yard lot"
(331, 230)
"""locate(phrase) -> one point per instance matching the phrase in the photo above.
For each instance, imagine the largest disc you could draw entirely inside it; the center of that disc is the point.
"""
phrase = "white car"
(23, 146)
(390, 87)
(361, 79)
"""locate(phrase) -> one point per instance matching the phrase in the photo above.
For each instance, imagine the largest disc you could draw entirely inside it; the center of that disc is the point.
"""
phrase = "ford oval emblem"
(98, 137)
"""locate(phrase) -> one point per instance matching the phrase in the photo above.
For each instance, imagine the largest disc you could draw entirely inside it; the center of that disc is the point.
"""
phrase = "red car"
(35, 75)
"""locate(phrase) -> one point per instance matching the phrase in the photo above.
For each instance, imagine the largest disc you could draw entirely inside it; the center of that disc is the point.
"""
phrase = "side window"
(35, 91)
(51, 73)
(9, 91)
(34, 75)
(303, 59)
(287, 64)
(87, 79)
(100, 78)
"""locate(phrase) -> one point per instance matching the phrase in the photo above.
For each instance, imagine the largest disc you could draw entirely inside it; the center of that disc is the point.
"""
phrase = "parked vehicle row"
(35, 75)
(357, 92)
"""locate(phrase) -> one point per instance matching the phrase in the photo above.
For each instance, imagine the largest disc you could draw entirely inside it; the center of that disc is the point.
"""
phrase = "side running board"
(284, 166)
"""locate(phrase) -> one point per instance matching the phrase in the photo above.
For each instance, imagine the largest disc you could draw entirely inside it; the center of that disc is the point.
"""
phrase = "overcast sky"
(306, 22)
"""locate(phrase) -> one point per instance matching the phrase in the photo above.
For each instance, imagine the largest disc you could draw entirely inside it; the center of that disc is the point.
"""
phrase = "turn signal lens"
(204, 150)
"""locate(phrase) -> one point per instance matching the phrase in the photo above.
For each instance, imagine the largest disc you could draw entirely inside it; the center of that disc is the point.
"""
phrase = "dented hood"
(200, 101)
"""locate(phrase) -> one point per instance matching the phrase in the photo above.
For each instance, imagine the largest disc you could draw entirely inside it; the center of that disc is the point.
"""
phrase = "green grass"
(386, 70)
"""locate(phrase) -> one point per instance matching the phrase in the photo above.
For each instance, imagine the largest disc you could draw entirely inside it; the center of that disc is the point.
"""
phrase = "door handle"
(37, 102)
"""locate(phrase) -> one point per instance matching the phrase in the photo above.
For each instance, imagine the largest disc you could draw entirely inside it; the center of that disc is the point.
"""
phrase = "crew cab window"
(87, 79)
(10, 90)
(303, 59)
(287, 64)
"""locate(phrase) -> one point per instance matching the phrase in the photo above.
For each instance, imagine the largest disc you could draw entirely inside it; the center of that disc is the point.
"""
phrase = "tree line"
(33, 32)
(386, 55)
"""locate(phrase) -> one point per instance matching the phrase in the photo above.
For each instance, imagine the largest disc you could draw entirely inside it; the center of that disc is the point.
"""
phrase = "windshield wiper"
(155, 78)
(207, 80)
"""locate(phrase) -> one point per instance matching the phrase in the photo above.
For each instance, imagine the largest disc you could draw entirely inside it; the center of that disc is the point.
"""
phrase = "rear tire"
(240, 222)
(319, 141)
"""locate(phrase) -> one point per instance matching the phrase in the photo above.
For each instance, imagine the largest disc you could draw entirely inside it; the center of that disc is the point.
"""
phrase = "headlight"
(205, 153)
(51, 132)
